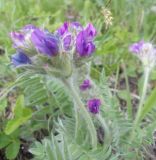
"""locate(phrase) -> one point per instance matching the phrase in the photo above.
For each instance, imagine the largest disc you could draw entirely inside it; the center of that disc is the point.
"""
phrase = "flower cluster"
(56, 52)
(71, 38)
(145, 51)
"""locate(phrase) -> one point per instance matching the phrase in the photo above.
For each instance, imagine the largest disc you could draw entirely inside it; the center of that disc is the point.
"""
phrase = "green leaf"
(4, 140)
(3, 104)
(19, 106)
(12, 150)
(13, 124)
(21, 115)
(149, 104)
(39, 150)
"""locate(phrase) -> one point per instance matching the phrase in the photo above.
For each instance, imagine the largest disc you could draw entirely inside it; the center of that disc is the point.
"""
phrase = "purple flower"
(17, 38)
(136, 47)
(90, 31)
(19, 59)
(63, 28)
(67, 41)
(45, 42)
(146, 52)
(84, 41)
(21, 39)
(83, 46)
(85, 85)
(67, 34)
(94, 105)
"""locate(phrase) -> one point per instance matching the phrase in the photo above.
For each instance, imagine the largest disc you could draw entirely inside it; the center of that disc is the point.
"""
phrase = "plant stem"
(144, 91)
(140, 107)
(83, 110)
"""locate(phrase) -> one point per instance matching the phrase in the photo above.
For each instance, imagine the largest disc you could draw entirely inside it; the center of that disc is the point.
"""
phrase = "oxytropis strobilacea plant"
(65, 55)
(146, 52)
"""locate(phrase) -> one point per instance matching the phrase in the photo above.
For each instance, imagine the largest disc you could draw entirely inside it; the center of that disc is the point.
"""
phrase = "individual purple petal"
(67, 42)
(84, 41)
(90, 31)
(79, 42)
(85, 85)
(89, 48)
(17, 38)
(94, 105)
(45, 43)
(136, 47)
(21, 39)
(76, 25)
(17, 35)
(29, 27)
(83, 46)
(63, 28)
(19, 59)
(37, 36)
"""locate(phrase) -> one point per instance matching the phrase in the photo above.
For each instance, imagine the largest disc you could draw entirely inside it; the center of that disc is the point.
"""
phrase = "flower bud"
(84, 41)
(94, 105)
(20, 59)
(21, 40)
(85, 85)
(45, 42)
